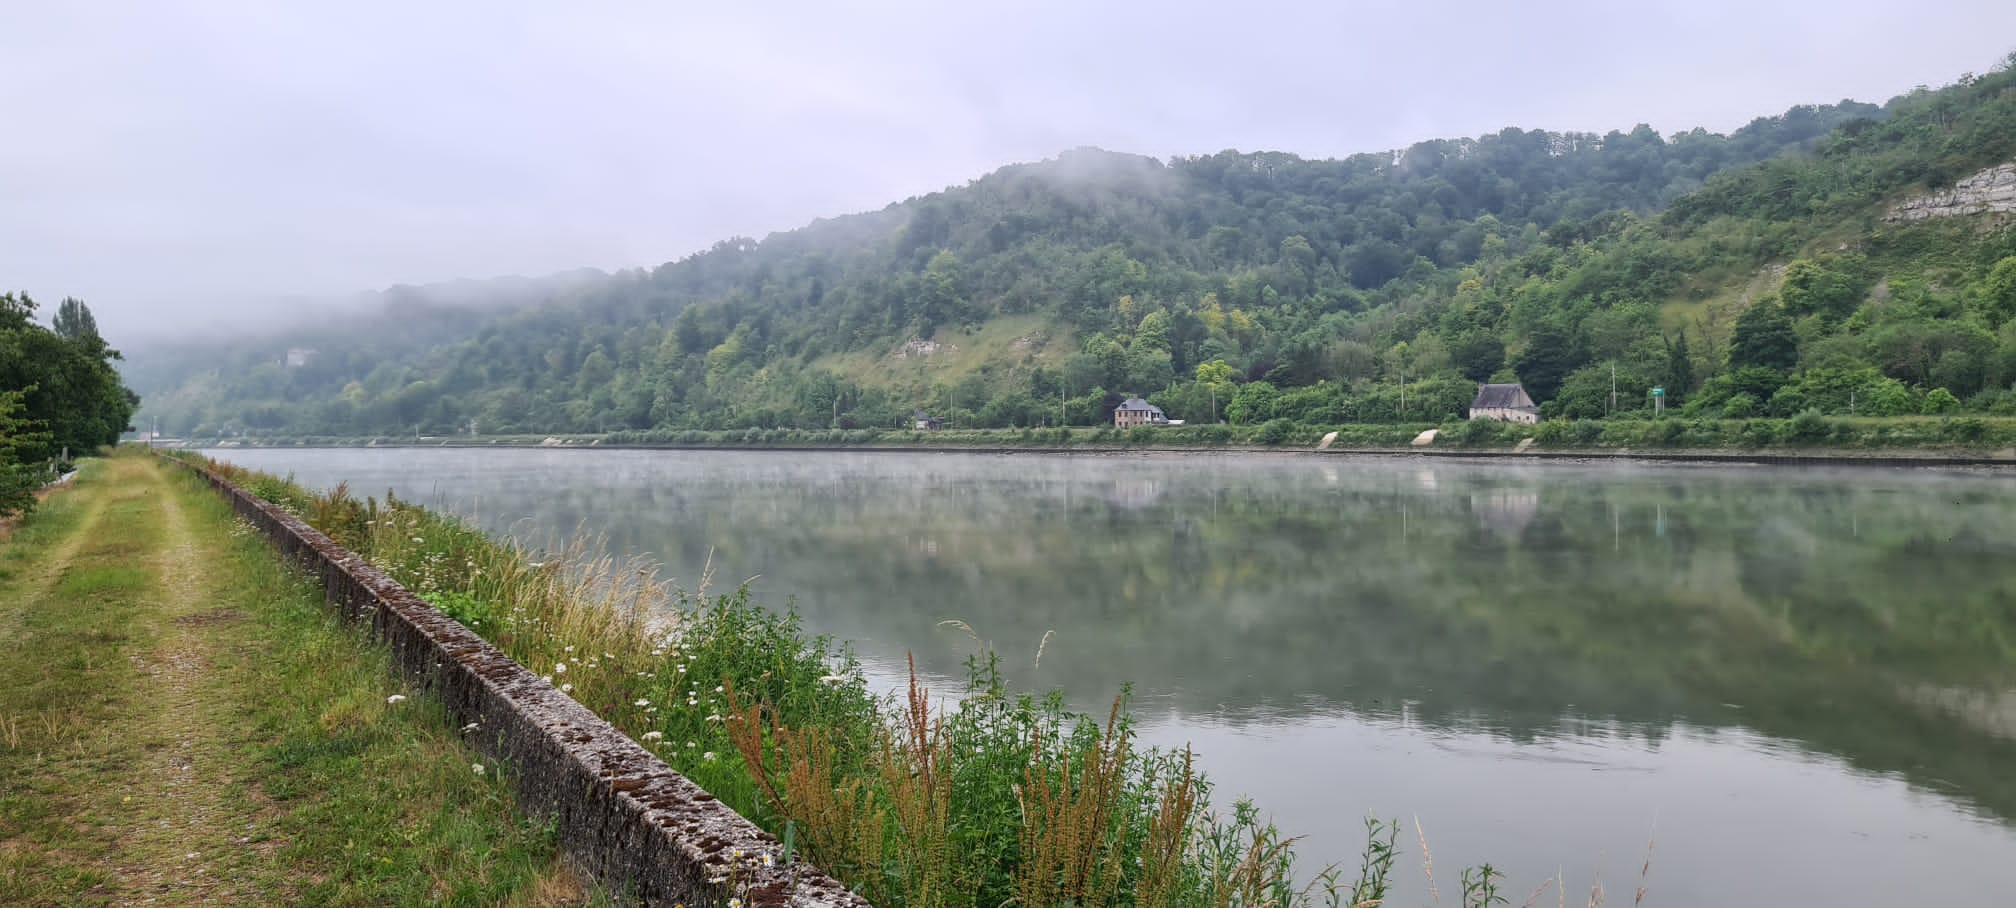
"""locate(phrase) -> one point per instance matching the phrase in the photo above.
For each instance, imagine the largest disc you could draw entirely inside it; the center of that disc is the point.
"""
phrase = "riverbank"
(1805, 439)
(182, 722)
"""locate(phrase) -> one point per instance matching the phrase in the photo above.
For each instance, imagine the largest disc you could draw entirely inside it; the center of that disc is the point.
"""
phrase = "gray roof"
(1135, 403)
(1509, 397)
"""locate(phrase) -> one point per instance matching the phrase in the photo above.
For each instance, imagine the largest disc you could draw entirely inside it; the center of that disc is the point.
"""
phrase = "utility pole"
(1613, 389)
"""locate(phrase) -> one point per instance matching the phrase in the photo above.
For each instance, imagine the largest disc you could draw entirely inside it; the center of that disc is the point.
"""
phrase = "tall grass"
(1004, 799)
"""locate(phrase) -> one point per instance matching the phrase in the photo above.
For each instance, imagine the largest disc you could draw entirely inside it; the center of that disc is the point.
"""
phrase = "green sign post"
(1658, 401)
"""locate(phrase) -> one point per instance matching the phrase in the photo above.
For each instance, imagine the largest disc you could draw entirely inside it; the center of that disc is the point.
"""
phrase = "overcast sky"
(164, 156)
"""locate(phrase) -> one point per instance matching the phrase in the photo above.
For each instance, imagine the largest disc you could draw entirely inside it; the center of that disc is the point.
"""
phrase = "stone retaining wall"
(626, 818)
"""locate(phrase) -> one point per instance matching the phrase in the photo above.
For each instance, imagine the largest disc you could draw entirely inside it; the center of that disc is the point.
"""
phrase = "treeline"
(59, 395)
(1129, 273)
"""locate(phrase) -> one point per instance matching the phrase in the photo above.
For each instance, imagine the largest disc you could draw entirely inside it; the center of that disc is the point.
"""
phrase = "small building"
(1505, 403)
(1137, 412)
(925, 422)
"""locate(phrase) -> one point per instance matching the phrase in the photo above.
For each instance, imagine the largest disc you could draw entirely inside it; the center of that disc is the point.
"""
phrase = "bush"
(1940, 401)
(1587, 431)
(1141, 435)
(1808, 427)
(1274, 432)
(1551, 432)
(1966, 429)
(1740, 406)
(1479, 432)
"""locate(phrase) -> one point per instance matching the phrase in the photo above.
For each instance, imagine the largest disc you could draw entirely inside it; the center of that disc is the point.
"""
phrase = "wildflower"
(566, 688)
(418, 539)
(709, 757)
(546, 678)
(720, 690)
(569, 649)
(734, 903)
(396, 699)
(641, 703)
(559, 668)
(832, 679)
(692, 744)
(476, 768)
(471, 727)
(769, 861)
(654, 735)
(714, 717)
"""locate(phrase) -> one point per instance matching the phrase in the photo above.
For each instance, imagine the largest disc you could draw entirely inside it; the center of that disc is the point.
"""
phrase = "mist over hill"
(1751, 272)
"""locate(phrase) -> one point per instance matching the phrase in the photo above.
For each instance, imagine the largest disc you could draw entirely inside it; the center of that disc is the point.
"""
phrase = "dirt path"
(182, 723)
(192, 833)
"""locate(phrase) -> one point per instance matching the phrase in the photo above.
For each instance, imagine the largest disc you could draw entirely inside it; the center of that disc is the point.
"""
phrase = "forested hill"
(1244, 286)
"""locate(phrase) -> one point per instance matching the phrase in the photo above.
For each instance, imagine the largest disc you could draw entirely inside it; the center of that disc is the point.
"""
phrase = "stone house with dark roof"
(1506, 403)
(1137, 412)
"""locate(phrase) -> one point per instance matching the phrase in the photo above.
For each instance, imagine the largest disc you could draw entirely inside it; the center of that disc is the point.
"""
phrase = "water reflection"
(1501, 648)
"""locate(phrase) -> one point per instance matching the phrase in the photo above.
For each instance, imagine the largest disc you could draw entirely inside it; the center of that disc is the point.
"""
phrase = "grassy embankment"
(182, 722)
(1005, 798)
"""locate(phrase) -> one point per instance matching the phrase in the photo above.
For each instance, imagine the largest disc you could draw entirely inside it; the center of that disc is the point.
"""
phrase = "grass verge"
(182, 722)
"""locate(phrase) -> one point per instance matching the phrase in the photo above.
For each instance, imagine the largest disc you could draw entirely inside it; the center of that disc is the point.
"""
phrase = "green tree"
(1254, 403)
(1678, 378)
(20, 439)
(1551, 354)
(1764, 338)
(1940, 401)
(1998, 291)
(1478, 354)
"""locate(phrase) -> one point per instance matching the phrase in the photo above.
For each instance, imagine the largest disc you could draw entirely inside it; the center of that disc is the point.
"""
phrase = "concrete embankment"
(626, 818)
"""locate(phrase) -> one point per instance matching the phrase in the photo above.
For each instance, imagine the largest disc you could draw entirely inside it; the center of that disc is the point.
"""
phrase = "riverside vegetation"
(183, 722)
(1753, 276)
(996, 797)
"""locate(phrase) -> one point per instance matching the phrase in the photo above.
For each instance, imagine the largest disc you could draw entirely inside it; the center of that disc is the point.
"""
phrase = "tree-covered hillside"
(1749, 271)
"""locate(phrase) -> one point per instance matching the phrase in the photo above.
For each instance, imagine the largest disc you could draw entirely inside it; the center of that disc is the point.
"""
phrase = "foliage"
(65, 379)
(1056, 282)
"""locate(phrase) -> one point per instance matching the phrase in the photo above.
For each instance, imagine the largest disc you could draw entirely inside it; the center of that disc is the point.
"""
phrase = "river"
(1793, 686)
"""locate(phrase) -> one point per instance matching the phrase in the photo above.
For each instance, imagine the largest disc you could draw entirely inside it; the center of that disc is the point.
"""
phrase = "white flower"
(654, 735)
(692, 744)
(546, 678)
(559, 668)
(709, 757)
(769, 861)
(734, 903)
(641, 702)
(418, 539)
(476, 768)
(832, 679)
(396, 698)
(471, 727)
(566, 688)
(720, 690)
(569, 649)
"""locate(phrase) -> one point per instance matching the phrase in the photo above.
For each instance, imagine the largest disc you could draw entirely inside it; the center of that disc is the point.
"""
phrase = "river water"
(1791, 686)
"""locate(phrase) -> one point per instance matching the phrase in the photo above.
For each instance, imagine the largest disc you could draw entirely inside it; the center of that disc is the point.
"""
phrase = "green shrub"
(1808, 427)
(1274, 432)
(1551, 432)
(1740, 406)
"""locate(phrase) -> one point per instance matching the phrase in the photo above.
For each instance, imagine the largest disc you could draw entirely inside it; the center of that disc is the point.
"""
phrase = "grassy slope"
(181, 721)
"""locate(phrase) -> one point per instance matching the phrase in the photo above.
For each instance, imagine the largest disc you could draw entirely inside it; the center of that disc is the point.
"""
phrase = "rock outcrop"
(1990, 191)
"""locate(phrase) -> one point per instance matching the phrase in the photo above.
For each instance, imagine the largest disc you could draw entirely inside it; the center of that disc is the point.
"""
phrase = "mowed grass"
(181, 721)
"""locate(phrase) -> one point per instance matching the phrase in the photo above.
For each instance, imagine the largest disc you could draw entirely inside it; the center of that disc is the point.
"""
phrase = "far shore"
(1891, 457)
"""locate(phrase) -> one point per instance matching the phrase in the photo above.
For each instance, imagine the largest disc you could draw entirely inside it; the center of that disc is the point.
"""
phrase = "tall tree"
(1764, 337)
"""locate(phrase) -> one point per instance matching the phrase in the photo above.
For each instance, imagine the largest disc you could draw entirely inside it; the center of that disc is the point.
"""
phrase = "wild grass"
(1002, 799)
